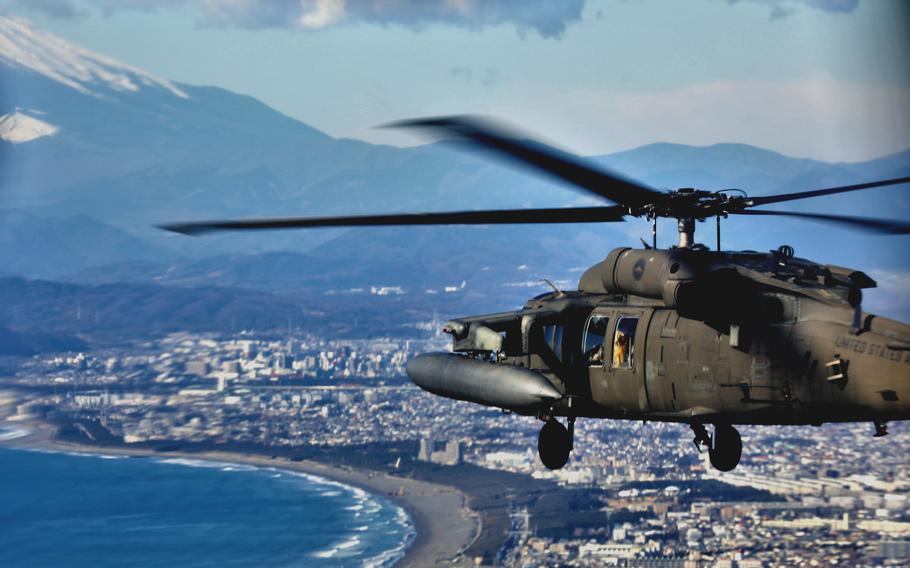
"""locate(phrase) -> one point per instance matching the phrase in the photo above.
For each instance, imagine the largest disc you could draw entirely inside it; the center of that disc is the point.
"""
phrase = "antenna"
(559, 293)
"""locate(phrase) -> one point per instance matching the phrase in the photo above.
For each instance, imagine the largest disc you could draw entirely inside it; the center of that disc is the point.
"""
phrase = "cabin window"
(624, 342)
(552, 334)
(593, 342)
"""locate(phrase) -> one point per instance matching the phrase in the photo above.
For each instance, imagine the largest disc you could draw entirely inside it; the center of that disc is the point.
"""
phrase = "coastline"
(443, 523)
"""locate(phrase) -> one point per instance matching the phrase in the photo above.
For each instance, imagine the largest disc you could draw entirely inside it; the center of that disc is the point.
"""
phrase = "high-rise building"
(282, 361)
(198, 368)
(451, 455)
(453, 452)
(426, 449)
(894, 549)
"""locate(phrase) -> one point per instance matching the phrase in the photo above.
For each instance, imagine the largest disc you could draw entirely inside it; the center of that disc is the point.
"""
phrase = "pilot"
(597, 354)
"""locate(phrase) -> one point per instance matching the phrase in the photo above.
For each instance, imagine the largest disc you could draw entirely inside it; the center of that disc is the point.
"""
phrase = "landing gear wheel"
(726, 448)
(554, 444)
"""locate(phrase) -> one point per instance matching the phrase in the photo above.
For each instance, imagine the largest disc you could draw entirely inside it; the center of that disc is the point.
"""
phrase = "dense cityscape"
(831, 495)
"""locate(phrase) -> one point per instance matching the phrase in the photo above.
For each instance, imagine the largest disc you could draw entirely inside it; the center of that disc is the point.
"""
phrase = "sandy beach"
(444, 524)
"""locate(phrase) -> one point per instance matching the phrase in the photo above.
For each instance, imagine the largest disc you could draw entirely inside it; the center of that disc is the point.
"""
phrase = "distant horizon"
(418, 144)
(621, 151)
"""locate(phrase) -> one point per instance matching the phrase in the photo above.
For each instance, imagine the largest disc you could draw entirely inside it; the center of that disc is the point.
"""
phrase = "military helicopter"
(685, 334)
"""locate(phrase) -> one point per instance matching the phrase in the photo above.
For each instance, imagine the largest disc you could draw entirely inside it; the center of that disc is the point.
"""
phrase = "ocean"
(77, 510)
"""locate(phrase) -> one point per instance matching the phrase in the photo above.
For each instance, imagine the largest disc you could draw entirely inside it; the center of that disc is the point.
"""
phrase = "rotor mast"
(686, 227)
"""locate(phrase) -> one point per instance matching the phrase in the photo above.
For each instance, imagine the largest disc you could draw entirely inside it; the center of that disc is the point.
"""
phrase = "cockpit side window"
(624, 342)
(593, 342)
(552, 334)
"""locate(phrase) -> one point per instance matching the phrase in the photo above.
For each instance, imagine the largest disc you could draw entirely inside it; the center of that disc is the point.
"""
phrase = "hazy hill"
(50, 247)
(26, 344)
(134, 310)
(39, 315)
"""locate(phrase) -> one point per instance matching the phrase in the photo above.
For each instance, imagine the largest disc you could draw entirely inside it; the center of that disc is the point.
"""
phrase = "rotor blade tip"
(407, 123)
(392, 124)
(183, 229)
(446, 122)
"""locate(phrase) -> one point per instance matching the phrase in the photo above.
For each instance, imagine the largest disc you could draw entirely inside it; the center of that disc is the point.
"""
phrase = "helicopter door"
(663, 355)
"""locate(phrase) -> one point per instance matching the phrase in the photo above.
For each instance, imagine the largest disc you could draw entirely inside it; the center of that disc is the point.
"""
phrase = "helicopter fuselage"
(689, 336)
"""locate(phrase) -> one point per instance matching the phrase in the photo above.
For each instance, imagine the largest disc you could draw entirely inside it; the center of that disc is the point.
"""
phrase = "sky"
(825, 79)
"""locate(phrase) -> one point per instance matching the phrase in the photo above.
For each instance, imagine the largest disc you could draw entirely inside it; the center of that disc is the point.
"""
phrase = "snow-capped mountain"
(26, 46)
(75, 120)
(19, 127)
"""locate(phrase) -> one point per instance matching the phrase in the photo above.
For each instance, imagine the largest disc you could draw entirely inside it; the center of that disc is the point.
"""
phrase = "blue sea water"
(59, 509)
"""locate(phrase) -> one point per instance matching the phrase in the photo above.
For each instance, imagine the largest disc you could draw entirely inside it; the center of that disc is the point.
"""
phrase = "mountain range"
(94, 153)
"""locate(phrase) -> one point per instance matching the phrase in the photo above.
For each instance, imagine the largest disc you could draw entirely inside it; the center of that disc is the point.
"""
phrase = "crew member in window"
(621, 349)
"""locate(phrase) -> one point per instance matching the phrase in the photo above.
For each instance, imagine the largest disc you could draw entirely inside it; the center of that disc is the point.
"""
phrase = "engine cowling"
(667, 275)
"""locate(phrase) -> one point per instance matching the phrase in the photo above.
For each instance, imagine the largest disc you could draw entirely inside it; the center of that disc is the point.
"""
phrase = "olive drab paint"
(737, 338)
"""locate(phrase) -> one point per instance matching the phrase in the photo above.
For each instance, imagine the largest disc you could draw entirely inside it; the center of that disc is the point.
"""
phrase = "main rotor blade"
(869, 224)
(495, 217)
(552, 161)
(764, 200)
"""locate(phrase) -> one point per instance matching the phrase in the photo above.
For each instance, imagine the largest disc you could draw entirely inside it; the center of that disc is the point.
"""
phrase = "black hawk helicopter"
(685, 334)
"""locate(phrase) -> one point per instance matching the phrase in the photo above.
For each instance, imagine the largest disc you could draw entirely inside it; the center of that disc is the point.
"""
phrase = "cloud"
(322, 14)
(61, 9)
(783, 8)
(549, 18)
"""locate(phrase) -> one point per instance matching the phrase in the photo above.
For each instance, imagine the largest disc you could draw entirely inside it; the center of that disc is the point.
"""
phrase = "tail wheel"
(554, 444)
(726, 448)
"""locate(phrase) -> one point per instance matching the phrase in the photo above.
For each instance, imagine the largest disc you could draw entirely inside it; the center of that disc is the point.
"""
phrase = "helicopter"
(686, 334)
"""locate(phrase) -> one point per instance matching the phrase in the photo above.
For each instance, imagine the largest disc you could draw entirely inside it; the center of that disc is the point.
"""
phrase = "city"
(832, 495)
